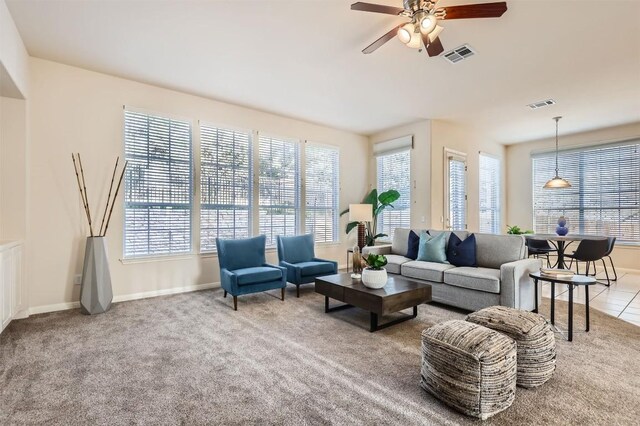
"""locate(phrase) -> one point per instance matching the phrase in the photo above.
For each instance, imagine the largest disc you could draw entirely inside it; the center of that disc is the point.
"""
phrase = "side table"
(572, 282)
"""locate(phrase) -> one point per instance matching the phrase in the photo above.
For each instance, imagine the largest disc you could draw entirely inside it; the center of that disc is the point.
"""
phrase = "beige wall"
(420, 159)
(453, 136)
(519, 179)
(13, 57)
(74, 110)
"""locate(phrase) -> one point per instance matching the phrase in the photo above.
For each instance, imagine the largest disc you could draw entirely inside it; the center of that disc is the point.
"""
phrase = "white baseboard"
(122, 298)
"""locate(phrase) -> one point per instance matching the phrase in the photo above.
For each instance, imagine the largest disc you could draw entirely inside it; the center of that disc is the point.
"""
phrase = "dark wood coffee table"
(399, 293)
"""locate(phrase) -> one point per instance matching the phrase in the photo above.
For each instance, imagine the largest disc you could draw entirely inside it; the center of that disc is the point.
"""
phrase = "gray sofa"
(501, 278)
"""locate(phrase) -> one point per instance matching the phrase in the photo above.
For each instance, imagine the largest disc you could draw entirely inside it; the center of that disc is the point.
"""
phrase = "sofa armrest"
(381, 249)
(516, 288)
(294, 272)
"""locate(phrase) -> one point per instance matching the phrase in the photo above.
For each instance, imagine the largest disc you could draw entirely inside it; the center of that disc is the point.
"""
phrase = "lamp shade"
(360, 213)
(557, 183)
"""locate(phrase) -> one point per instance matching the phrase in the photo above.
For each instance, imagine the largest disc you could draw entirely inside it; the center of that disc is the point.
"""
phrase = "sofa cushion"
(413, 245)
(315, 268)
(430, 271)
(447, 234)
(495, 250)
(432, 249)
(259, 274)
(482, 279)
(462, 253)
(394, 261)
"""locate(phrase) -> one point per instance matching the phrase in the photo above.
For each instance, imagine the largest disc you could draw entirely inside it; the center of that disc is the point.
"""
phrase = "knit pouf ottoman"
(533, 335)
(469, 367)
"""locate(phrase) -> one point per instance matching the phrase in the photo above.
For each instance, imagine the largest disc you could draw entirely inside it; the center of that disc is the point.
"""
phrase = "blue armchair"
(297, 255)
(243, 268)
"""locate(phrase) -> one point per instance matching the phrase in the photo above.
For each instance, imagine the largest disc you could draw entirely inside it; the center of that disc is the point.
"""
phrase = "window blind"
(158, 185)
(321, 192)
(394, 172)
(604, 198)
(225, 185)
(457, 194)
(489, 194)
(279, 187)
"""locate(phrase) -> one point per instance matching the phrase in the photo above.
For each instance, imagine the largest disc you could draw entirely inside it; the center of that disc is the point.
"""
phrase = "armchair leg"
(297, 291)
(235, 303)
(615, 274)
(282, 293)
(225, 293)
(606, 272)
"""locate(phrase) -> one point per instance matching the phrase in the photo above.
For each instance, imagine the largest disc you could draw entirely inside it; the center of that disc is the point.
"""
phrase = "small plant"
(375, 261)
(515, 230)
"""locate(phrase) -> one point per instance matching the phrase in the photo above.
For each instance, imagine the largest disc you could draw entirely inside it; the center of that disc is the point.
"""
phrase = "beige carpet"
(190, 359)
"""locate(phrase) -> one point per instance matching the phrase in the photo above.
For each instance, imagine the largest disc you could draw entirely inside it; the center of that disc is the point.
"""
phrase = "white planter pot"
(374, 278)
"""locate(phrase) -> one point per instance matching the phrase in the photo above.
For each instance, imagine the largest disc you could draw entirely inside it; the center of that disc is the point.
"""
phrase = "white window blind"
(394, 172)
(279, 187)
(457, 192)
(489, 194)
(158, 185)
(225, 185)
(321, 192)
(604, 198)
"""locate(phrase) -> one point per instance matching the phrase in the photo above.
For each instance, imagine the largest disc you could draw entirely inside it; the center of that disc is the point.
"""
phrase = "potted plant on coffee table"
(374, 275)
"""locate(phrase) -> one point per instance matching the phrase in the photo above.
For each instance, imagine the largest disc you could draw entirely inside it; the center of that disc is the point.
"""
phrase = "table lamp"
(360, 213)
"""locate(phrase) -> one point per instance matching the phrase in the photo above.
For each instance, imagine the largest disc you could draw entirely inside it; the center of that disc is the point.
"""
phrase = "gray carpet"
(190, 359)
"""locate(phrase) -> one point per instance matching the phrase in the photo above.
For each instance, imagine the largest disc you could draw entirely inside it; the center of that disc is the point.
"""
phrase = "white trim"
(161, 258)
(451, 154)
(167, 115)
(124, 298)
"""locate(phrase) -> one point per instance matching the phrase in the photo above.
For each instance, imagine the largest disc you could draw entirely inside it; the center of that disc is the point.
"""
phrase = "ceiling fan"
(423, 28)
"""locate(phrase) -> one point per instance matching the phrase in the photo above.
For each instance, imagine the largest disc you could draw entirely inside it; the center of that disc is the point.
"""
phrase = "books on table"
(562, 274)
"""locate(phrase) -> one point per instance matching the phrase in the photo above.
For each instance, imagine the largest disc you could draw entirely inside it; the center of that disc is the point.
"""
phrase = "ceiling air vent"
(459, 53)
(541, 104)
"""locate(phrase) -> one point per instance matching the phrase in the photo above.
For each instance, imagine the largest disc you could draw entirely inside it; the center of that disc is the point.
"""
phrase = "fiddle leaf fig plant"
(376, 261)
(378, 204)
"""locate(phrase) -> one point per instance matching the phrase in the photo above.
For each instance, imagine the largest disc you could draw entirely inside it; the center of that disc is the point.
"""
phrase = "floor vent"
(459, 53)
(542, 104)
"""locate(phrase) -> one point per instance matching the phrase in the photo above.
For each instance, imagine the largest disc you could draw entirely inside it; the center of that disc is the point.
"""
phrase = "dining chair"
(537, 248)
(590, 251)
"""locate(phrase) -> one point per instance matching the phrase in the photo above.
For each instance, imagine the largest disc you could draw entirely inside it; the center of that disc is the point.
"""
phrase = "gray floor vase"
(95, 293)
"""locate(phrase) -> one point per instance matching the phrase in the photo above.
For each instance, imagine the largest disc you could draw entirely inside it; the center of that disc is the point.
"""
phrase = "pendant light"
(557, 182)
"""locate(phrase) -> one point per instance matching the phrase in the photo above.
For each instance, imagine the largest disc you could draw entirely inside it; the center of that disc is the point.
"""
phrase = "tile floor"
(621, 299)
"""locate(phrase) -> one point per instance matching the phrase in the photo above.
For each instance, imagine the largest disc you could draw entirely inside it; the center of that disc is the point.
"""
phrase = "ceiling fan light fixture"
(405, 33)
(433, 35)
(428, 24)
(416, 40)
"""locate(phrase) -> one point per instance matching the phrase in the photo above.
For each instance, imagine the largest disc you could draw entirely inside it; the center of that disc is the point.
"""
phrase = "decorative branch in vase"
(95, 293)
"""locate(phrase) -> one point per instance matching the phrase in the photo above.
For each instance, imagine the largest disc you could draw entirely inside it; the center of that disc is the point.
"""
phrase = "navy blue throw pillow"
(413, 245)
(462, 253)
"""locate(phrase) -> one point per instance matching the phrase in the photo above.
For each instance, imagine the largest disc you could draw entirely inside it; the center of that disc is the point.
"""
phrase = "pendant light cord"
(557, 119)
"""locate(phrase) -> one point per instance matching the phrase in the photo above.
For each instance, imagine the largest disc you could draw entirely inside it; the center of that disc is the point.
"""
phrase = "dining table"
(562, 242)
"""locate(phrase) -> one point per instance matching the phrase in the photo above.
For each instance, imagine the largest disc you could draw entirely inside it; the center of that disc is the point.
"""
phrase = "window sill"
(272, 249)
(151, 259)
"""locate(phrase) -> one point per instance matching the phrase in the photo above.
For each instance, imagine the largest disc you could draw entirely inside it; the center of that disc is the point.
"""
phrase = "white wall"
(75, 110)
(519, 179)
(445, 134)
(13, 56)
(420, 175)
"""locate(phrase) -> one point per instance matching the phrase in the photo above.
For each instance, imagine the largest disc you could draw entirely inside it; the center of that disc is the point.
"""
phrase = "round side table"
(572, 282)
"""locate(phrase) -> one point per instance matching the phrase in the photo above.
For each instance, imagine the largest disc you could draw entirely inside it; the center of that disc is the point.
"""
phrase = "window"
(604, 197)
(489, 194)
(456, 190)
(279, 187)
(394, 172)
(321, 192)
(158, 185)
(225, 185)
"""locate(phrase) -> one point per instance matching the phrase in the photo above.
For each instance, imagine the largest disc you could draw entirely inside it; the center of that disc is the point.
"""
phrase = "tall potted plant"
(378, 204)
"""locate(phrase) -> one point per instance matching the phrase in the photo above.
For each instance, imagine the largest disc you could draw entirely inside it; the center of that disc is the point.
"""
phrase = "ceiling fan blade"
(382, 40)
(483, 10)
(435, 47)
(377, 8)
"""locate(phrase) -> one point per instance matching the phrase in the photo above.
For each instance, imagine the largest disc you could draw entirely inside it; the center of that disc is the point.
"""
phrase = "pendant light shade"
(557, 182)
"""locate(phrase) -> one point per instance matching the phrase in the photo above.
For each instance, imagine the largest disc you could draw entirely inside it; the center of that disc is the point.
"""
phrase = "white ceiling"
(302, 59)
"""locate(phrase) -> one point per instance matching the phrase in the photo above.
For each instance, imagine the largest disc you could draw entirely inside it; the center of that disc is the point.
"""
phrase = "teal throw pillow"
(432, 249)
